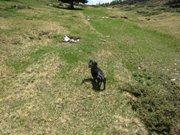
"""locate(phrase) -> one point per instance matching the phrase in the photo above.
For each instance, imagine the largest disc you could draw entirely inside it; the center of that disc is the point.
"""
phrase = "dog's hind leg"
(104, 82)
(99, 84)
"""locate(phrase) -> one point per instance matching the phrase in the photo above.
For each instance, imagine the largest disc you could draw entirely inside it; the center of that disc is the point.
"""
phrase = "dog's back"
(97, 73)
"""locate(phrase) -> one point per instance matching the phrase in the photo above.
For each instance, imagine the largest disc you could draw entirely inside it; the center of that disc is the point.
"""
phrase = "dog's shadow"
(95, 85)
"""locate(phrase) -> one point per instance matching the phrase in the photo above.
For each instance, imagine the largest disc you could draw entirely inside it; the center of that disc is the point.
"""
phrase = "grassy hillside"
(40, 75)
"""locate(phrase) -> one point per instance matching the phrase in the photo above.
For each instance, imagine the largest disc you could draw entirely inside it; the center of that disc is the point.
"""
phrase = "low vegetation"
(40, 75)
(146, 6)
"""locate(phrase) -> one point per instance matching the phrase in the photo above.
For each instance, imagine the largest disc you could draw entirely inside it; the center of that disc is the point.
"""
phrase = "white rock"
(66, 38)
(173, 79)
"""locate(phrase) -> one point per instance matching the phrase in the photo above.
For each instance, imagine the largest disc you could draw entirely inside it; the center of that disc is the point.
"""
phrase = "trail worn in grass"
(40, 75)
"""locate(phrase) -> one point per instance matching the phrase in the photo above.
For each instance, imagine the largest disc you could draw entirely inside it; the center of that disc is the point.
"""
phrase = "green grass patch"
(95, 12)
(22, 63)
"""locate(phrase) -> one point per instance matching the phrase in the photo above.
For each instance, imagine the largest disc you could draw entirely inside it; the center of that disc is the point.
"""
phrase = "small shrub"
(158, 107)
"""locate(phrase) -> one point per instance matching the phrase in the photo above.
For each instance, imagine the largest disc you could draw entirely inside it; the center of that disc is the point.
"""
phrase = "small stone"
(173, 79)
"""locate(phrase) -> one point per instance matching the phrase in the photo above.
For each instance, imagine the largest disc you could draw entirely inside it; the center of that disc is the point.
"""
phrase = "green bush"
(158, 107)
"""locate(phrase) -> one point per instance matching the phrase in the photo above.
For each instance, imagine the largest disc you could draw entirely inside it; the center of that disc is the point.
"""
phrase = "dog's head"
(92, 64)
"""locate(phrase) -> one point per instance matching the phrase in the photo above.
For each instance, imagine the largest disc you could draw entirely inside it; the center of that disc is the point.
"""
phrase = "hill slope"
(40, 75)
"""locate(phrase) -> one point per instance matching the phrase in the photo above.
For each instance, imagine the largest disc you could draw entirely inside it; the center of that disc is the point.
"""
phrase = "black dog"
(97, 74)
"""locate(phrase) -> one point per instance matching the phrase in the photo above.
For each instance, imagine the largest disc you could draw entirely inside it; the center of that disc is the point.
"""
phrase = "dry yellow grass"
(40, 72)
(24, 89)
(165, 23)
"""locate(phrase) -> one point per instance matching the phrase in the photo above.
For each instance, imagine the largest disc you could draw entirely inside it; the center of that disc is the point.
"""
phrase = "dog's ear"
(91, 61)
(95, 64)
